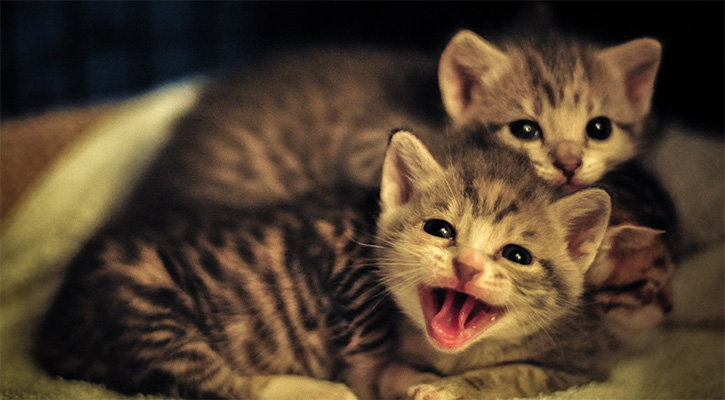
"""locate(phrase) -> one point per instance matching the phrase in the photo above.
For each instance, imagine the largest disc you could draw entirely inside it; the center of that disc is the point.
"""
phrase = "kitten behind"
(632, 276)
(576, 110)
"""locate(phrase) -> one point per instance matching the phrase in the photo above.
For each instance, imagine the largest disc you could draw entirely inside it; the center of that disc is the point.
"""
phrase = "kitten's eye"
(599, 128)
(440, 228)
(525, 129)
(517, 254)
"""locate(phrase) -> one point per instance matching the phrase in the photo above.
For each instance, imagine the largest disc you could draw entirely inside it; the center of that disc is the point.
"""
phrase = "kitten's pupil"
(517, 254)
(525, 129)
(440, 228)
(599, 128)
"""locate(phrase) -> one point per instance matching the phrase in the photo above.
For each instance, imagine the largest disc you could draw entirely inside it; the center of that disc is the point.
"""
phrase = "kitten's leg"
(516, 380)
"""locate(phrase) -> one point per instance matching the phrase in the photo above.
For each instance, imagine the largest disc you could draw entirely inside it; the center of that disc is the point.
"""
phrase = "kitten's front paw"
(293, 387)
(429, 392)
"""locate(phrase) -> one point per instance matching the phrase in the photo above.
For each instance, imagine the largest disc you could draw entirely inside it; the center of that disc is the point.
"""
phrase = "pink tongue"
(450, 321)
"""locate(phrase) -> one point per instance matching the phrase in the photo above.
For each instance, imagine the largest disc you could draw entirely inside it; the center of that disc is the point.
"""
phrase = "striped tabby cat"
(253, 304)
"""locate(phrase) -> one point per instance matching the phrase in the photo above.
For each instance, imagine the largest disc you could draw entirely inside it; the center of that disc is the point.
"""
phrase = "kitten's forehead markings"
(513, 207)
(549, 91)
(492, 198)
(469, 189)
(441, 205)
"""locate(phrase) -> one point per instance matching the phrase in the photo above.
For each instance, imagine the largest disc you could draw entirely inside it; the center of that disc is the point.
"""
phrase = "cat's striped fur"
(278, 129)
(187, 304)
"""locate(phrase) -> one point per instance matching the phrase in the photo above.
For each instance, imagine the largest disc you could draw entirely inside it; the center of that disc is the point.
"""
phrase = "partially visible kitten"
(296, 121)
(480, 254)
(632, 275)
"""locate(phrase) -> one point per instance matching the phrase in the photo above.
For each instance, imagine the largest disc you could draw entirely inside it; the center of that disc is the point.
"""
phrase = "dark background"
(57, 54)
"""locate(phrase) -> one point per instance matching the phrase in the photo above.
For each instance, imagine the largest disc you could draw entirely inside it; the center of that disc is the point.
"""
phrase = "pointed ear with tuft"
(407, 164)
(467, 63)
(636, 62)
(585, 217)
(623, 238)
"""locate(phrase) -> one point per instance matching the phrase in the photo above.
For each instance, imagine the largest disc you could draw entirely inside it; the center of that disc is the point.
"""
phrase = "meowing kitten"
(489, 267)
(235, 304)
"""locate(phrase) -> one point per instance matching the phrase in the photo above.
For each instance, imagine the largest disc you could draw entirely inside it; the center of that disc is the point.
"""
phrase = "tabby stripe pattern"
(201, 308)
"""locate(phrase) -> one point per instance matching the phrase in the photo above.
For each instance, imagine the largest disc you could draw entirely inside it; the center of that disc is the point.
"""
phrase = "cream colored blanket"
(682, 359)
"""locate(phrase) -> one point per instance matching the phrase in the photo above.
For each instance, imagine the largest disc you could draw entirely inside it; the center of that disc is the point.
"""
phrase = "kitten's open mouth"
(455, 319)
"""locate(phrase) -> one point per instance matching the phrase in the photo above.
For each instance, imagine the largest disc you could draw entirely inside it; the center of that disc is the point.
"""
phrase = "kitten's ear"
(467, 64)
(619, 240)
(636, 62)
(407, 164)
(622, 238)
(585, 217)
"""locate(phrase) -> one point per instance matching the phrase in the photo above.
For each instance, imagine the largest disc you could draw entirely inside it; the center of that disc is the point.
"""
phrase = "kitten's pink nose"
(567, 157)
(469, 263)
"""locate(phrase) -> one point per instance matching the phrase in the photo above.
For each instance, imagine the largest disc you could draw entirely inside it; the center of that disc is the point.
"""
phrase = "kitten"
(574, 109)
(252, 304)
(632, 275)
(489, 265)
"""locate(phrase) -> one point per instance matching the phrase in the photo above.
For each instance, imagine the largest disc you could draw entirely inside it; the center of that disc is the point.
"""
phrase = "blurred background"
(60, 54)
